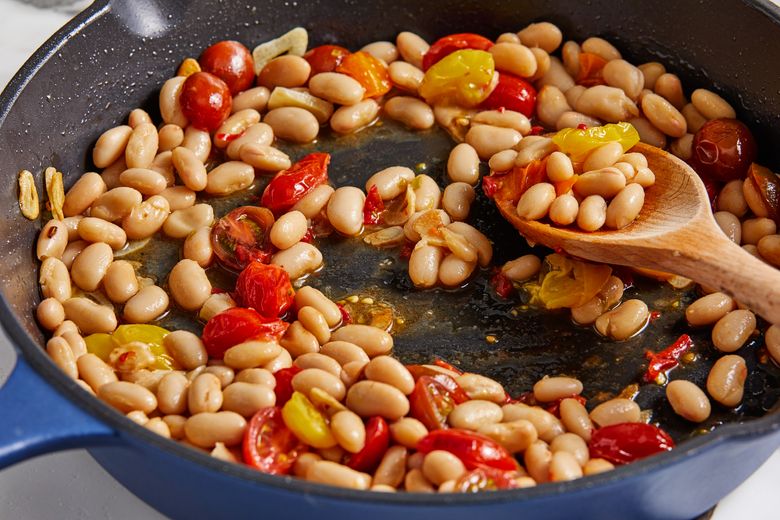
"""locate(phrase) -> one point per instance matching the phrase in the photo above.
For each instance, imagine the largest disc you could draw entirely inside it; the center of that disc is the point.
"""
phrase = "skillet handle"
(35, 418)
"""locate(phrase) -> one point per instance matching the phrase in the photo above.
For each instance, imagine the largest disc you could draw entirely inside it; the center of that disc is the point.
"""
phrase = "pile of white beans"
(154, 179)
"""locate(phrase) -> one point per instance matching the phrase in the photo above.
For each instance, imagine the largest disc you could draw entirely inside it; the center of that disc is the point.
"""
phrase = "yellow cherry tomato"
(306, 422)
(102, 344)
(464, 78)
(569, 283)
(579, 143)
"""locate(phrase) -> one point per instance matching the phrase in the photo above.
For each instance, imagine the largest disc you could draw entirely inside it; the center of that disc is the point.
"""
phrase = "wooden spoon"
(675, 232)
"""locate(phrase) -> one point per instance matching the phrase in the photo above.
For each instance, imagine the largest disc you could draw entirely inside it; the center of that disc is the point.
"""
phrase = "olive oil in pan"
(471, 327)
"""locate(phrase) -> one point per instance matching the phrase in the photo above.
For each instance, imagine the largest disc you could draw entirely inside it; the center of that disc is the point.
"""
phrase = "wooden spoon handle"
(723, 265)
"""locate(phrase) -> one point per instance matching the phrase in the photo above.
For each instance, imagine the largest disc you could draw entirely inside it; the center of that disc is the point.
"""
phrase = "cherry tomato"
(325, 58)
(590, 72)
(238, 325)
(431, 402)
(487, 479)
(512, 93)
(205, 100)
(723, 149)
(269, 445)
(377, 442)
(626, 442)
(456, 392)
(367, 70)
(241, 237)
(373, 206)
(283, 388)
(473, 449)
(291, 185)
(307, 423)
(464, 78)
(231, 62)
(454, 42)
(579, 142)
(768, 187)
(265, 288)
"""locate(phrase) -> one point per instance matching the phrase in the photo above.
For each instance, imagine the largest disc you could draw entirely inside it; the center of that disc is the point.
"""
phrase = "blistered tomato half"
(464, 78)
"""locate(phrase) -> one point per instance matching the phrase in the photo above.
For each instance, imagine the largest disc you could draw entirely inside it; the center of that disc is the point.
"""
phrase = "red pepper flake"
(217, 290)
(667, 359)
(346, 319)
(536, 130)
(654, 315)
(582, 126)
(308, 237)
(373, 207)
(501, 284)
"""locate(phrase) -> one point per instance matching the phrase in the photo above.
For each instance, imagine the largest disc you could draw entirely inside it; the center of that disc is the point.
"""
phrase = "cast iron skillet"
(116, 54)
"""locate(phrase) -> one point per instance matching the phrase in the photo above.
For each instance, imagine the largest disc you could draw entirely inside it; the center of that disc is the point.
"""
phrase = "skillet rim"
(24, 345)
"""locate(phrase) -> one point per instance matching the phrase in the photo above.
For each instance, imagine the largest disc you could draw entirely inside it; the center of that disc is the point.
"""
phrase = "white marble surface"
(71, 485)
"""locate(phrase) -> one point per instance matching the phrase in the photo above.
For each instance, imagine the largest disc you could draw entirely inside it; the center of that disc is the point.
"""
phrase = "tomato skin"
(377, 442)
(454, 42)
(283, 388)
(325, 58)
(265, 288)
(473, 449)
(307, 422)
(205, 100)
(231, 62)
(590, 71)
(369, 71)
(768, 187)
(269, 445)
(241, 237)
(291, 185)
(512, 93)
(447, 366)
(626, 442)
(237, 325)
(667, 359)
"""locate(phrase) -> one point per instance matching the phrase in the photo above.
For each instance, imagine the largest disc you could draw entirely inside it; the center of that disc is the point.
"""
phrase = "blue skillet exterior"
(115, 54)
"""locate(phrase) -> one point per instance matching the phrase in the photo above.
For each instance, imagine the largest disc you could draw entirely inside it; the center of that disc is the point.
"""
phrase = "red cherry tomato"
(501, 282)
(231, 62)
(241, 237)
(590, 72)
(454, 42)
(512, 93)
(626, 442)
(205, 100)
(768, 187)
(283, 388)
(723, 149)
(487, 479)
(369, 71)
(377, 442)
(291, 185)
(456, 392)
(473, 449)
(373, 207)
(269, 445)
(325, 58)
(265, 288)
(431, 401)
(238, 325)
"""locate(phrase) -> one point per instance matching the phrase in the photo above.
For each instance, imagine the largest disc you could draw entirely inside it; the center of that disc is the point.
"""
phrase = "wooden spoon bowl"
(675, 232)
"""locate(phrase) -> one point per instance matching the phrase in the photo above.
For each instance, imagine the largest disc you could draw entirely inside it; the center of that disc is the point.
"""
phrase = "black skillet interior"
(118, 62)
